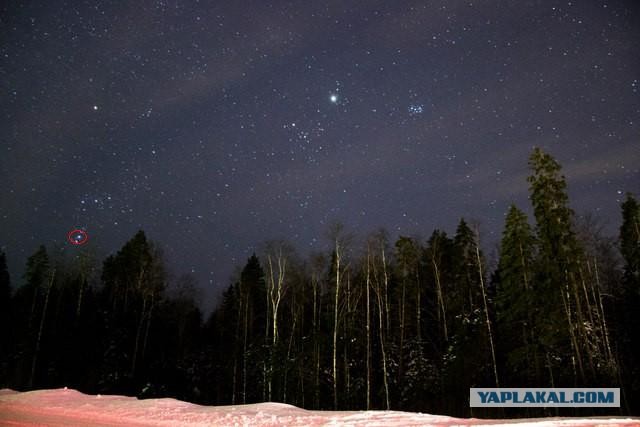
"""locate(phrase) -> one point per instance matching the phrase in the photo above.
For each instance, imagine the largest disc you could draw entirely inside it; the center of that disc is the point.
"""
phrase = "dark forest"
(369, 324)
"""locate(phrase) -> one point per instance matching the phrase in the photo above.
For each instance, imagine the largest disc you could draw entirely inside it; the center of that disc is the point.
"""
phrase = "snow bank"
(64, 407)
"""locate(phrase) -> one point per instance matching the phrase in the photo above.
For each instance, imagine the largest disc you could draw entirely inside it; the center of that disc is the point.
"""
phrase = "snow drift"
(64, 407)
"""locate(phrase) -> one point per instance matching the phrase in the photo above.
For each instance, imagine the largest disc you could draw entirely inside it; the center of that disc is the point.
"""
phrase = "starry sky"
(215, 126)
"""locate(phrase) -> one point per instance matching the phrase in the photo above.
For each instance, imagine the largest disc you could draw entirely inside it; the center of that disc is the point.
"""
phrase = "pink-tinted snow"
(64, 407)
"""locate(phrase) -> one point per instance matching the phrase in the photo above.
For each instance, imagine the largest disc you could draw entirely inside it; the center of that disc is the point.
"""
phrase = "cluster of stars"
(415, 109)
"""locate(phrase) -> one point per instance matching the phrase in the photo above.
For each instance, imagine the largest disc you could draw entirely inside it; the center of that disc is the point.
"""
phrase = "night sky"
(215, 126)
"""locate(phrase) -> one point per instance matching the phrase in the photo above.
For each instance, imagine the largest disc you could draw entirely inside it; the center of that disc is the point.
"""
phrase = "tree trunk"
(286, 361)
(418, 309)
(266, 364)
(234, 385)
(486, 312)
(41, 328)
(137, 340)
(316, 343)
(347, 330)
(528, 333)
(80, 294)
(85, 264)
(368, 330)
(275, 293)
(441, 308)
(382, 350)
(566, 301)
(603, 319)
(148, 327)
(335, 326)
(244, 350)
(386, 287)
(402, 317)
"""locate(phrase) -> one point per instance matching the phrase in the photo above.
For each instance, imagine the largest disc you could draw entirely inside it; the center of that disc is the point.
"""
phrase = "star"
(333, 98)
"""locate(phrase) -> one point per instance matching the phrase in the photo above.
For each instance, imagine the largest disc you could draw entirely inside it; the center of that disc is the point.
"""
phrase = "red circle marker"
(77, 237)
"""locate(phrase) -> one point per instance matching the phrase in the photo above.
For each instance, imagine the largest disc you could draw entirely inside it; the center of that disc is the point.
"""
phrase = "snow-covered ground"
(64, 407)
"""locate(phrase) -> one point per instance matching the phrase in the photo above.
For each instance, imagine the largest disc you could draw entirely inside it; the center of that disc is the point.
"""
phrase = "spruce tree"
(37, 268)
(563, 326)
(549, 200)
(629, 301)
(630, 244)
(553, 216)
(253, 317)
(467, 293)
(516, 304)
(468, 306)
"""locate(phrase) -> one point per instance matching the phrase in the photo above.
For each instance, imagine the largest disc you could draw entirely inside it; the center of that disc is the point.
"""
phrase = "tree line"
(368, 324)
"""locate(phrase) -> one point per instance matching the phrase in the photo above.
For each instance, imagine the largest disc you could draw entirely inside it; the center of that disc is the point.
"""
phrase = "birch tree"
(338, 239)
(278, 256)
(377, 256)
(437, 260)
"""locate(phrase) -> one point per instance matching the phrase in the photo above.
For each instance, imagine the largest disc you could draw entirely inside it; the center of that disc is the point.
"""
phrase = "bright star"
(333, 98)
